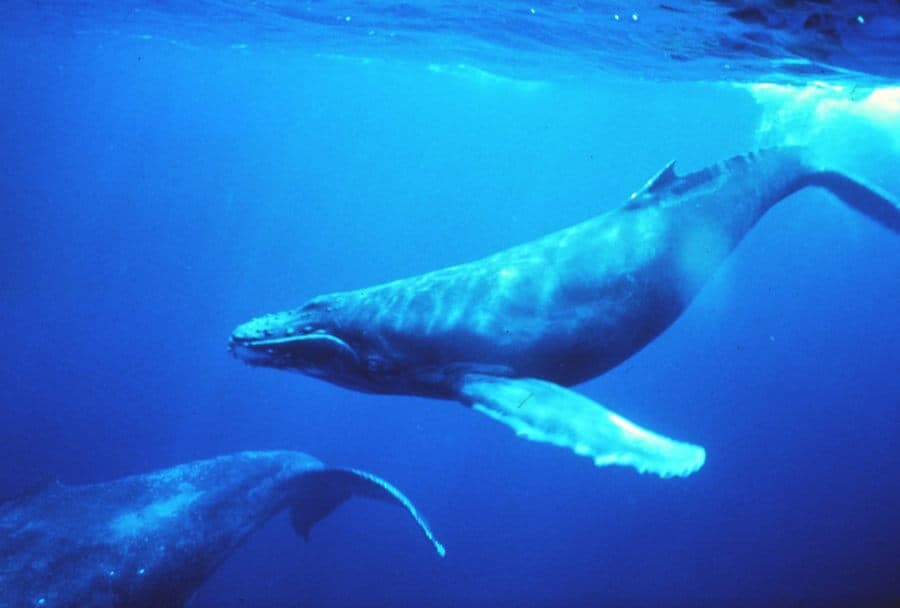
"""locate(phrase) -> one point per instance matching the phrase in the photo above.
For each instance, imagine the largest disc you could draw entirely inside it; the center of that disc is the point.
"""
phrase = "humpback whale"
(509, 334)
(151, 540)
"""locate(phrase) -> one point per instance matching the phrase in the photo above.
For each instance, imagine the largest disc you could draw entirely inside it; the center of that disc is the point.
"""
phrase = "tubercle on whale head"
(312, 340)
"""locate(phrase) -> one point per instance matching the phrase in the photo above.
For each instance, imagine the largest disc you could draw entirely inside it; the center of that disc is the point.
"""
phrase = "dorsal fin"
(663, 178)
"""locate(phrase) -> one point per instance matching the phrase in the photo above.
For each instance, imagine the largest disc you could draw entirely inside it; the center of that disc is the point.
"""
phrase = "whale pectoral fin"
(321, 492)
(546, 412)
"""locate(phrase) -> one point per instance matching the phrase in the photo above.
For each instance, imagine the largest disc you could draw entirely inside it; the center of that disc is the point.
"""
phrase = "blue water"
(168, 172)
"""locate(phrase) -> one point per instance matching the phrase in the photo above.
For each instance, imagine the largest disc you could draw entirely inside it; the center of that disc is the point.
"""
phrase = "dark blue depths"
(156, 195)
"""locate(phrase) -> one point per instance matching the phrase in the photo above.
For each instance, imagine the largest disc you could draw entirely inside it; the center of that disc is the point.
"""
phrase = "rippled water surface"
(677, 39)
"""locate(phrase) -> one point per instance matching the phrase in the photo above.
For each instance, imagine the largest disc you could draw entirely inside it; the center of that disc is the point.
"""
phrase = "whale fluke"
(858, 195)
(325, 490)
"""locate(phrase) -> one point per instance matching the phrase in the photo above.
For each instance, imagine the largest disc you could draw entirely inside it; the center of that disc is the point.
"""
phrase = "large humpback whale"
(506, 334)
(150, 540)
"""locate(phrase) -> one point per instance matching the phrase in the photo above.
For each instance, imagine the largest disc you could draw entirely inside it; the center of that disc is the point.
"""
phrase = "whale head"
(312, 340)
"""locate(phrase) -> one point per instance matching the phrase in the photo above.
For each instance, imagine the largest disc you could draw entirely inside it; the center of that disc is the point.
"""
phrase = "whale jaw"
(315, 354)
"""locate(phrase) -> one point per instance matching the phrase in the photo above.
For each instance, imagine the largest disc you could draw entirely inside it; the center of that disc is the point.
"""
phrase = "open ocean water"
(170, 169)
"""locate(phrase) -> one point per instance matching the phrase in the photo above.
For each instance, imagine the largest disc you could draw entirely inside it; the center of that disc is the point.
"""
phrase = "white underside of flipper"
(549, 413)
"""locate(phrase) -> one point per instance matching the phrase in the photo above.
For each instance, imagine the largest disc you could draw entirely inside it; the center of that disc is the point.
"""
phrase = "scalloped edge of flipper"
(548, 413)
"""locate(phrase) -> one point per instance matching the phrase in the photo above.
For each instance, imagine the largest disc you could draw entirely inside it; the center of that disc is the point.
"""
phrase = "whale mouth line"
(267, 342)
(298, 350)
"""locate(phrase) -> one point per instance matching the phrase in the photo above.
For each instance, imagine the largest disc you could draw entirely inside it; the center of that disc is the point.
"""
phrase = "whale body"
(508, 334)
(151, 540)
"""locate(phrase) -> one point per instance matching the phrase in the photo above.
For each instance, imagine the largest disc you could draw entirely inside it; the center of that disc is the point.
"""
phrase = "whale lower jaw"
(315, 354)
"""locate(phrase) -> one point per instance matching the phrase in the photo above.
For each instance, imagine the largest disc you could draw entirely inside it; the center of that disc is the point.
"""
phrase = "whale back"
(579, 300)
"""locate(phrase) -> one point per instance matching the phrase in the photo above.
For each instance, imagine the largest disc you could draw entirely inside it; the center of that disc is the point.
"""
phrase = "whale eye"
(376, 364)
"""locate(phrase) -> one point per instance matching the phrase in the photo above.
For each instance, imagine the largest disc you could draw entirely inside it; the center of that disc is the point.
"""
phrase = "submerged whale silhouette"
(151, 540)
(506, 334)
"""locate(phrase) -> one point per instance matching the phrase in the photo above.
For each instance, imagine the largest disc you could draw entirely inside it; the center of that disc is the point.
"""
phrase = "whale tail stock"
(321, 492)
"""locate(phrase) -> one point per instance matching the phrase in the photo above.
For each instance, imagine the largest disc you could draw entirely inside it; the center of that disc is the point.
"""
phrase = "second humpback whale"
(508, 333)
(149, 541)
